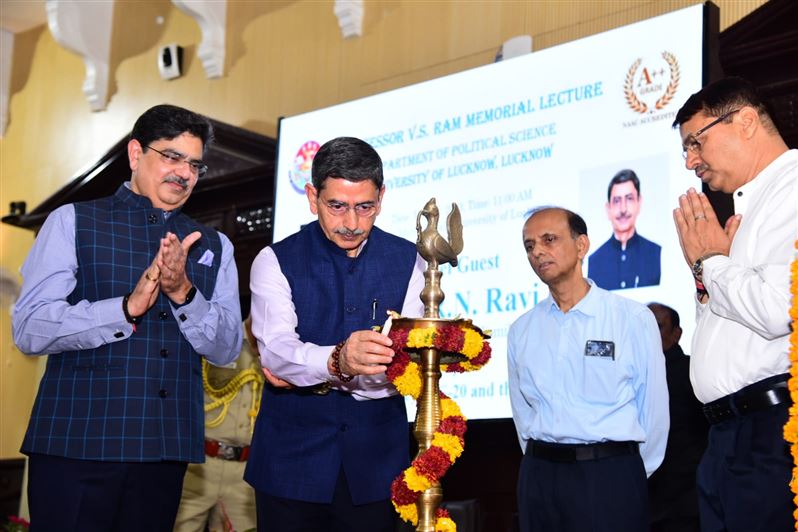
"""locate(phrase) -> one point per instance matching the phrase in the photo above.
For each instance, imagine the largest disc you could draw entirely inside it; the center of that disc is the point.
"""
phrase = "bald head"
(576, 224)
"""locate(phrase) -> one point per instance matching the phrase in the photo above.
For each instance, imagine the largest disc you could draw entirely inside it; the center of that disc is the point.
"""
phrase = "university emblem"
(299, 174)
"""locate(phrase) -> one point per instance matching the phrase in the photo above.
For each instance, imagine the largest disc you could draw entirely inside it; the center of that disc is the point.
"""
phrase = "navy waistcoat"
(612, 268)
(302, 440)
(138, 399)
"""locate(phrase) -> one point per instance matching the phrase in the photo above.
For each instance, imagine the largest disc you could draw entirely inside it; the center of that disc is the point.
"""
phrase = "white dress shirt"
(274, 323)
(742, 333)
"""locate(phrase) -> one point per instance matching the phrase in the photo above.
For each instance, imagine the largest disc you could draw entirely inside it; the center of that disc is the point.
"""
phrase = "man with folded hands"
(739, 364)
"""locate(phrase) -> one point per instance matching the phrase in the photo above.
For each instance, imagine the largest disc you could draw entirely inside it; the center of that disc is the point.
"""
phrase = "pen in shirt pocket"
(374, 309)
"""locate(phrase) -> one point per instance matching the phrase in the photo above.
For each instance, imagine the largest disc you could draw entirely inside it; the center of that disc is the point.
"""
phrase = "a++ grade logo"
(299, 174)
(652, 87)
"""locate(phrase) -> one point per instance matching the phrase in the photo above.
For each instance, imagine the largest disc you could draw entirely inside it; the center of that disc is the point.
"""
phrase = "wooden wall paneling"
(763, 48)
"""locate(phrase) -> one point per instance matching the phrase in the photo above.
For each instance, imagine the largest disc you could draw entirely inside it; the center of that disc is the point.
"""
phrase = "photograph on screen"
(628, 221)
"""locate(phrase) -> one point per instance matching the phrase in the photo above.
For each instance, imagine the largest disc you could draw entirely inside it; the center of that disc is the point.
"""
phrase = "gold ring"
(147, 275)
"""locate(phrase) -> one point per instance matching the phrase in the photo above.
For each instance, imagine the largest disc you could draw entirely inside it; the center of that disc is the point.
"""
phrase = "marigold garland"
(448, 439)
(791, 428)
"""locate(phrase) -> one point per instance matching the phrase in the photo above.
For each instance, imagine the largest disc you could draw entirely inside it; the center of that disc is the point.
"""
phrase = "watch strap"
(698, 265)
(134, 320)
(189, 297)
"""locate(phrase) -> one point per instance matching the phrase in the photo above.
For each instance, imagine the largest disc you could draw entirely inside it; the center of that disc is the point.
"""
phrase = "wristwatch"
(133, 320)
(698, 265)
(189, 297)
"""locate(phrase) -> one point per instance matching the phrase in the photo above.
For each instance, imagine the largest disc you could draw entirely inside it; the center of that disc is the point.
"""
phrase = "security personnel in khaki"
(214, 493)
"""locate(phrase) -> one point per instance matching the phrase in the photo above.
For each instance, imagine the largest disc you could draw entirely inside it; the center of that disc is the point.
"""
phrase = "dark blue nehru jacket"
(613, 268)
(302, 439)
(138, 399)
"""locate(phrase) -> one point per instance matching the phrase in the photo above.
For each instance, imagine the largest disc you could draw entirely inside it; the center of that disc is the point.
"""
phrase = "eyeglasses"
(691, 142)
(367, 209)
(174, 158)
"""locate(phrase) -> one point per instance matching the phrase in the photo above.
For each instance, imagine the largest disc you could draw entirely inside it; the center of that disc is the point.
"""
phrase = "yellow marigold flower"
(449, 443)
(408, 512)
(409, 383)
(445, 524)
(415, 481)
(472, 343)
(449, 408)
(420, 337)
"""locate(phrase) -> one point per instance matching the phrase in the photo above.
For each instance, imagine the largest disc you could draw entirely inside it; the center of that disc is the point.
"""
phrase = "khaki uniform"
(214, 493)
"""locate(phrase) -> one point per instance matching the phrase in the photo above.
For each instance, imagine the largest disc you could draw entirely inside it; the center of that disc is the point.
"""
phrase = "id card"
(600, 348)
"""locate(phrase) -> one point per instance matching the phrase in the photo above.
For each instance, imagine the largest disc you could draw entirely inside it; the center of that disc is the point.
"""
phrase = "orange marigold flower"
(791, 427)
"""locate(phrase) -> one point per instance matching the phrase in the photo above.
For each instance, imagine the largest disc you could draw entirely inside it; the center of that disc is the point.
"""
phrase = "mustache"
(348, 232)
(176, 179)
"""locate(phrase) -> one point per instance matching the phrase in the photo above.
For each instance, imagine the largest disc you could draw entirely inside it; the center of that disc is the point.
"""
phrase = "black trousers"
(276, 514)
(605, 495)
(744, 475)
(66, 495)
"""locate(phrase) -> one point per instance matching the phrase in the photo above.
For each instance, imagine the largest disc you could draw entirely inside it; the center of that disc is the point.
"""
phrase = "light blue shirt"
(559, 394)
(45, 323)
